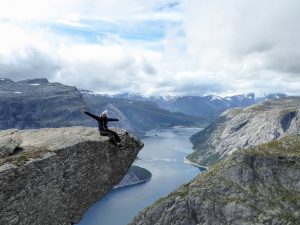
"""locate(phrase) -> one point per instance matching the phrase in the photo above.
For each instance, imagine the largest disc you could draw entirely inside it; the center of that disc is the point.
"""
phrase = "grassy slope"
(262, 199)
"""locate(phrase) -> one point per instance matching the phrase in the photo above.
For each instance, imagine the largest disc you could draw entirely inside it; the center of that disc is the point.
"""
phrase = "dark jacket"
(102, 121)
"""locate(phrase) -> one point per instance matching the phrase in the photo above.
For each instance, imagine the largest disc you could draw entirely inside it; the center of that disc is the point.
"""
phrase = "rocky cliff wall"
(242, 128)
(37, 103)
(254, 186)
(52, 175)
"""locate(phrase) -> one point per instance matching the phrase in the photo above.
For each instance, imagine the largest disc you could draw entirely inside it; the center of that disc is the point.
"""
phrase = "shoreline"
(132, 184)
(186, 161)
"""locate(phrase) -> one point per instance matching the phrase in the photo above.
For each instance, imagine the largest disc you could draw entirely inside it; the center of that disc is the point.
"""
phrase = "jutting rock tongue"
(55, 174)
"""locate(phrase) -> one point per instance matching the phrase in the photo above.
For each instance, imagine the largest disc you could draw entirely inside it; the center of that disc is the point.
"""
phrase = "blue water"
(163, 155)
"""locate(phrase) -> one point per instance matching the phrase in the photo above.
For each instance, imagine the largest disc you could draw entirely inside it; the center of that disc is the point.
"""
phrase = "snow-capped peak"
(215, 97)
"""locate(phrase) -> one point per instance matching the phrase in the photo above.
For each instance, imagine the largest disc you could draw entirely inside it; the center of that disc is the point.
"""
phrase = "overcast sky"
(157, 47)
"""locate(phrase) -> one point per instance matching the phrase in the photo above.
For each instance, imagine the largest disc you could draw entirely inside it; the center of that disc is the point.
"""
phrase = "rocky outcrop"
(135, 175)
(8, 144)
(55, 174)
(241, 128)
(254, 186)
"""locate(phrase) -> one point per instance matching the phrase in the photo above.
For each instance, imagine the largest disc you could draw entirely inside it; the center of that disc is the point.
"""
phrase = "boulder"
(9, 144)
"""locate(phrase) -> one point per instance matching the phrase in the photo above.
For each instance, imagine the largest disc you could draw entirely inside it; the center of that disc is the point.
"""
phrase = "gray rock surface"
(9, 142)
(254, 186)
(57, 173)
(135, 175)
(241, 128)
(37, 103)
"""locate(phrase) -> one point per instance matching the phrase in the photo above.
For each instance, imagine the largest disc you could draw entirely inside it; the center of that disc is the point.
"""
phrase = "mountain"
(53, 175)
(37, 103)
(254, 186)
(210, 106)
(140, 116)
(241, 128)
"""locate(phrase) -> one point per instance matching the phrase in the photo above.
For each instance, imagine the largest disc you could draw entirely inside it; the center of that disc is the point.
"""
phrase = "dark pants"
(113, 136)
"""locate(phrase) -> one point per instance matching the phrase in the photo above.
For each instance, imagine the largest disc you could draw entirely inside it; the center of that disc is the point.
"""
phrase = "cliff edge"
(52, 175)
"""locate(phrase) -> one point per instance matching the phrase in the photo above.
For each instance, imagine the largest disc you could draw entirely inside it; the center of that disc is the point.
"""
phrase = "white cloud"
(253, 43)
(195, 47)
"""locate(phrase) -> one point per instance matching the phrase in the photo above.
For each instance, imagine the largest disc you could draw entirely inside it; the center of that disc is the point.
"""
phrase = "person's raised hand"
(83, 109)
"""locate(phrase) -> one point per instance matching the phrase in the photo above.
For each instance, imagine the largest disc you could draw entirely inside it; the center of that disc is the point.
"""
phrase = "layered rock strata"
(242, 128)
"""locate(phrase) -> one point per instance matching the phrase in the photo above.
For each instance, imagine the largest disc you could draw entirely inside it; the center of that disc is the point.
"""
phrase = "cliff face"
(241, 128)
(256, 186)
(37, 103)
(55, 174)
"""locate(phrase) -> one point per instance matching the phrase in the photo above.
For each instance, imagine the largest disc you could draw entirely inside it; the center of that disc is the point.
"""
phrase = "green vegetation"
(235, 111)
(240, 180)
(285, 195)
(181, 192)
(22, 157)
(258, 108)
(202, 141)
(286, 146)
(206, 159)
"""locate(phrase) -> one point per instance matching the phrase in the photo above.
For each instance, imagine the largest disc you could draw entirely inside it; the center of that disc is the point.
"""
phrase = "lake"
(163, 155)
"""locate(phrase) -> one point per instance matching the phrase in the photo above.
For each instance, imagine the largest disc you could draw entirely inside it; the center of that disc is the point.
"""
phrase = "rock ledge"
(55, 174)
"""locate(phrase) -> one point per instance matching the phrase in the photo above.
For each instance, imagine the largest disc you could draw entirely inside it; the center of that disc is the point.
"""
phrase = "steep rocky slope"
(254, 186)
(37, 103)
(241, 128)
(52, 175)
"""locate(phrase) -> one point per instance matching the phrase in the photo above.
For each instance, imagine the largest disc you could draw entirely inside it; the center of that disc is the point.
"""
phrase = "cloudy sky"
(157, 47)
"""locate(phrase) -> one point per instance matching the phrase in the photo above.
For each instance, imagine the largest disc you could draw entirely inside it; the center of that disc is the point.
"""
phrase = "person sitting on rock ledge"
(103, 129)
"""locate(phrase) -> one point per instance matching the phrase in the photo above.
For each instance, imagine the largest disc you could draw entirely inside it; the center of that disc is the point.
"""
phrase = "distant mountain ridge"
(245, 127)
(38, 103)
(142, 115)
(209, 106)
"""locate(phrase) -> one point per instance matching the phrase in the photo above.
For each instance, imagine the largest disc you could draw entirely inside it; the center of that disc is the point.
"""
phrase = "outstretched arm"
(92, 115)
(112, 119)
